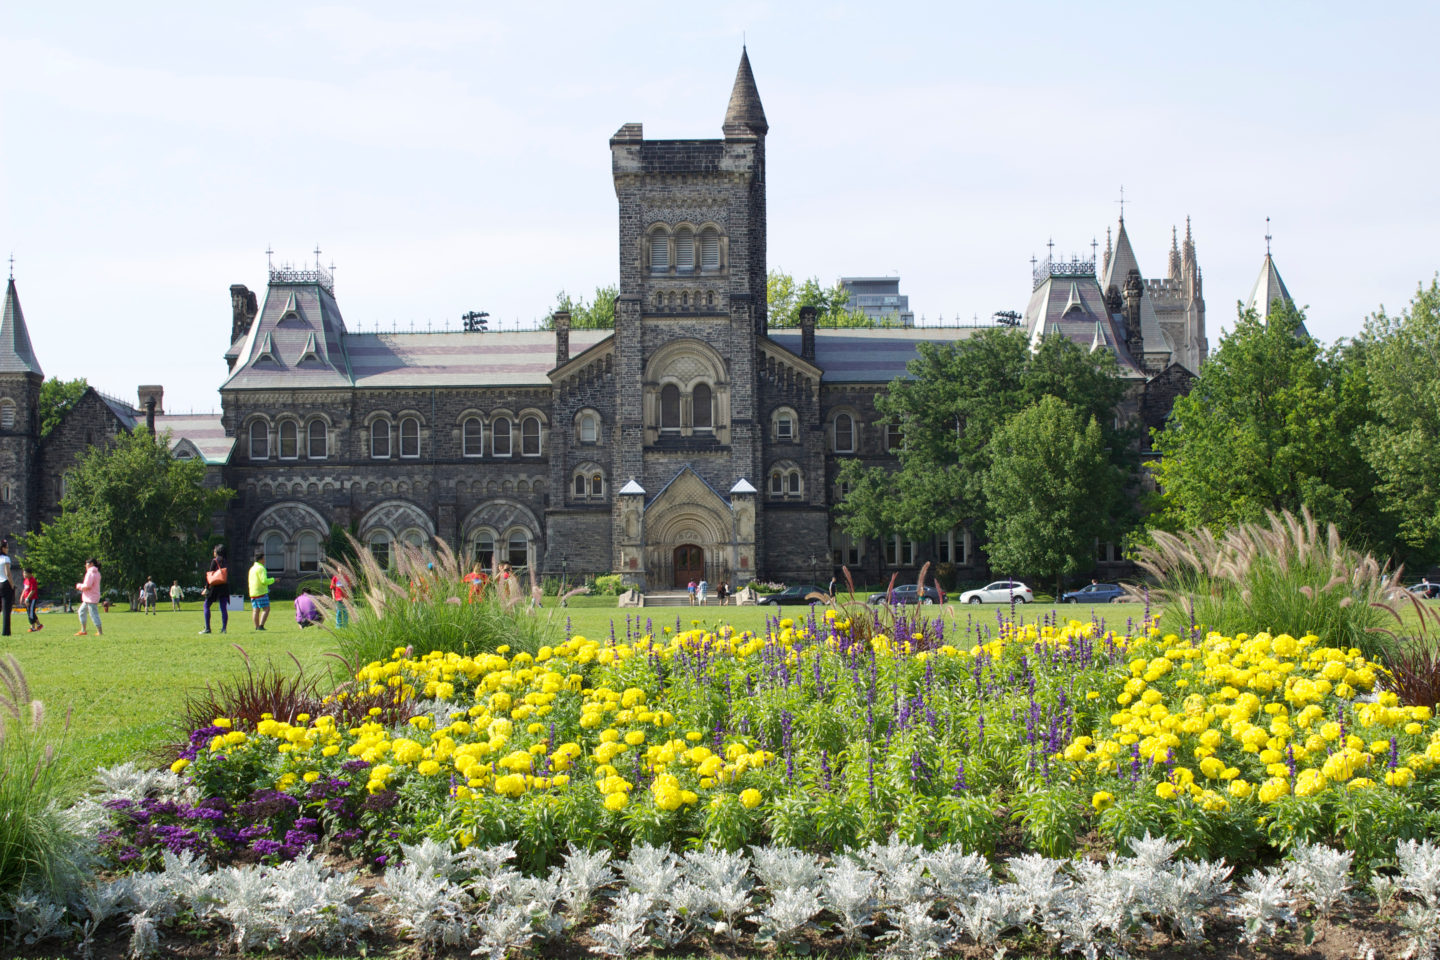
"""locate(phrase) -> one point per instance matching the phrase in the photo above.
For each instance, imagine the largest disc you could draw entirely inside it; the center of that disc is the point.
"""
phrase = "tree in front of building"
(1051, 490)
(135, 507)
(784, 298)
(56, 398)
(949, 409)
(1271, 424)
(597, 314)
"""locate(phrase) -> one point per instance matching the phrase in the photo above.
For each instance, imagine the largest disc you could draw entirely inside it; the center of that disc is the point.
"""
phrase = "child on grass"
(30, 596)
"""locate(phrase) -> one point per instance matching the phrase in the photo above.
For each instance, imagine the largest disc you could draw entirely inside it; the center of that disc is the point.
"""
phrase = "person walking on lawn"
(147, 593)
(217, 588)
(176, 594)
(30, 596)
(338, 586)
(260, 581)
(90, 597)
(7, 589)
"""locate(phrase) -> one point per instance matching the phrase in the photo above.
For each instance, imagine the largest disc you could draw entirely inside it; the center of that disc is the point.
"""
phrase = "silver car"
(1001, 591)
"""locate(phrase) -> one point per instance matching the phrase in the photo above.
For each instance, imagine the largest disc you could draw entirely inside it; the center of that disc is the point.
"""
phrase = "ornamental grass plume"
(36, 852)
(1282, 576)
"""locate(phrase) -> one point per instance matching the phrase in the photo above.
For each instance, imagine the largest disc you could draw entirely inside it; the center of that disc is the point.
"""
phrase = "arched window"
(289, 440)
(659, 252)
(7, 415)
(472, 436)
(500, 437)
(307, 553)
(380, 440)
(589, 428)
(517, 550)
(410, 437)
(482, 550)
(704, 403)
(318, 440)
(412, 538)
(684, 250)
(530, 437)
(597, 485)
(777, 483)
(669, 407)
(379, 544)
(259, 440)
(579, 485)
(274, 552)
(785, 427)
(709, 249)
(844, 433)
(792, 484)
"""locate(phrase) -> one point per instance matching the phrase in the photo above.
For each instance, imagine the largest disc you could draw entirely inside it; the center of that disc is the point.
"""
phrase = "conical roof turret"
(745, 116)
(16, 354)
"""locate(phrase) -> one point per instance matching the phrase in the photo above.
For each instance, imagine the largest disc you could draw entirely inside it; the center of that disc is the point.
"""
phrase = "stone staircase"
(674, 598)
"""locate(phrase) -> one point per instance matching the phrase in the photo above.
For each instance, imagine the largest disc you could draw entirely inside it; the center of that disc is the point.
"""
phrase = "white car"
(1001, 591)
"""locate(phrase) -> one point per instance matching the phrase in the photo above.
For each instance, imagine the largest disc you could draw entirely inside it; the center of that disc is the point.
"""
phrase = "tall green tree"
(1401, 441)
(1050, 488)
(1270, 424)
(957, 395)
(596, 314)
(56, 399)
(784, 298)
(137, 509)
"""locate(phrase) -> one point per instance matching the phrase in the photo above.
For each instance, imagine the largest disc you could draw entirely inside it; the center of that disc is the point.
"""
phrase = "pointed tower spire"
(1106, 266)
(1174, 254)
(1189, 248)
(16, 354)
(745, 116)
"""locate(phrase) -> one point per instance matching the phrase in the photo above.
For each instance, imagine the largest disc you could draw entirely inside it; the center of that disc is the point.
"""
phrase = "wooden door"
(689, 565)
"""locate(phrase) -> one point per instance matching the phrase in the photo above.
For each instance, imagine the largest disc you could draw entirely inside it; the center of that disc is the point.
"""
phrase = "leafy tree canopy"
(1400, 356)
(56, 399)
(956, 397)
(1270, 424)
(137, 509)
(597, 314)
(784, 298)
(1051, 488)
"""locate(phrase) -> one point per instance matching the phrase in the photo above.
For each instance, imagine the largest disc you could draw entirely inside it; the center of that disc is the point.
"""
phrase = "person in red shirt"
(338, 588)
(478, 581)
(30, 596)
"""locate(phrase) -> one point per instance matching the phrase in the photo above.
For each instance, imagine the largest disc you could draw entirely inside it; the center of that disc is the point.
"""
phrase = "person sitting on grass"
(306, 612)
(30, 596)
(260, 591)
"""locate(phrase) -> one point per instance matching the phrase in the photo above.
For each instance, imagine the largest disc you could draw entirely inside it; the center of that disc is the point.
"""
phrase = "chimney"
(561, 320)
(152, 393)
(807, 333)
(150, 415)
(243, 308)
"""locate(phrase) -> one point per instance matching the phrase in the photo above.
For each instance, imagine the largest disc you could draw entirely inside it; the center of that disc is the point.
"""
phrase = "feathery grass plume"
(422, 600)
(1286, 575)
(36, 852)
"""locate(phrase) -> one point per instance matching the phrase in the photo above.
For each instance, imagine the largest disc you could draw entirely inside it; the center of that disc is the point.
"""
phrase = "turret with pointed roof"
(16, 354)
(1269, 290)
(20, 380)
(745, 115)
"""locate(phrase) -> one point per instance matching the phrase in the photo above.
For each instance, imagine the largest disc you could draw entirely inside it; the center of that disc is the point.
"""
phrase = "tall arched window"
(307, 553)
(684, 250)
(380, 440)
(259, 440)
(379, 544)
(483, 551)
(530, 437)
(704, 402)
(500, 437)
(274, 552)
(597, 485)
(472, 437)
(318, 440)
(410, 437)
(669, 407)
(7, 414)
(709, 249)
(289, 440)
(517, 550)
(579, 485)
(589, 429)
(659, 252)
(844, 433)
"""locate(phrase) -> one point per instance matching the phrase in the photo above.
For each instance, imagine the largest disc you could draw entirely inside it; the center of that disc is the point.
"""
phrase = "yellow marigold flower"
(1310, 782)
(615, 802)
(1360, 783)
(1103, 800)
(179, 765)
(1240, 789)
(634, 738)
(1273, 789)
(1400, 777)
(428, 768)
(222, 722)
(311, 776)
(1165, 791)
(750, 798)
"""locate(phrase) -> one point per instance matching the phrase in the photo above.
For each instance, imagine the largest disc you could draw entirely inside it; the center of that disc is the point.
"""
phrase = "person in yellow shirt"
(260, 591)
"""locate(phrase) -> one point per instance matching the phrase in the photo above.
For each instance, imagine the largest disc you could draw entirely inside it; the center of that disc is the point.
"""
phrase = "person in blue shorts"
(260, 581)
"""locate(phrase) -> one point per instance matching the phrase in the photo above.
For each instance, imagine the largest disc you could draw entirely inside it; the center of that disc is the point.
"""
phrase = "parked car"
(908, 593)
(1426, 589)
(1001, 591)
(1094, 593)
(799, 594)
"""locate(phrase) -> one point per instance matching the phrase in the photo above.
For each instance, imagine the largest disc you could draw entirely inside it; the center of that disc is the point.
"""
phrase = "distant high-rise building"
(879, 297)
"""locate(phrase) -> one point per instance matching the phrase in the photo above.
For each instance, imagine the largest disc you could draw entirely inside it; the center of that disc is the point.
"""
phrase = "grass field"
(124, 691)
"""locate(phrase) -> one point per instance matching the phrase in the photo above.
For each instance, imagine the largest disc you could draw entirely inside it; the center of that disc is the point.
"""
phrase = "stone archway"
(688, 561)
(688, 513)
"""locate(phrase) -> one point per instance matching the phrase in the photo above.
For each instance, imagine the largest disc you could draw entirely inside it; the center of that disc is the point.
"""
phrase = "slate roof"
(203, 430)
(745, 115)
(16, 354)
(126, 414)
(1073, 307)
(868, 355)
(271, 354)
(1121, 263)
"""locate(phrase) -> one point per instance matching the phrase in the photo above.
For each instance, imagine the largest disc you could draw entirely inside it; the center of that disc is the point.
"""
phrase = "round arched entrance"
(689, 562)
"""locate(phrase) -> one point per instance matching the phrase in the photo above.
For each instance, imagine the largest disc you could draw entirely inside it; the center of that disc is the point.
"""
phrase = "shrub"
(35, 850)
(608, 585)
(1283, 576)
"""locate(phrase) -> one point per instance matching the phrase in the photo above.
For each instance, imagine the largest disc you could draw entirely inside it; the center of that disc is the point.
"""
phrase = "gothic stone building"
(691, 441)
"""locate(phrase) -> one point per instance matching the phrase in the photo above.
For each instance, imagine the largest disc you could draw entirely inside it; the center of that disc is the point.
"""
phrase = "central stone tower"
(688, 320)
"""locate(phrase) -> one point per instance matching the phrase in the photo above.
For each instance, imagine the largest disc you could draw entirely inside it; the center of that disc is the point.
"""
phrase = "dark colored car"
(798, 595)
(908, 593)
(1094, 593)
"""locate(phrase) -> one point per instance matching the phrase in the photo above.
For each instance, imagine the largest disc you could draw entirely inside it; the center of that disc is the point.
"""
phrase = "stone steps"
(675, 598)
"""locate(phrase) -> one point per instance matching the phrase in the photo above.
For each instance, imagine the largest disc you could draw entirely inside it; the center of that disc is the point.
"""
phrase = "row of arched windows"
(306, 557)
(685, 250)
(287, 439)
(702, 407)
(502, 436)
(506, 437)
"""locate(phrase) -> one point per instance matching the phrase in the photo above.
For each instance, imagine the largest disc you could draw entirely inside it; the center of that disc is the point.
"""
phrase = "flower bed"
(825, 734)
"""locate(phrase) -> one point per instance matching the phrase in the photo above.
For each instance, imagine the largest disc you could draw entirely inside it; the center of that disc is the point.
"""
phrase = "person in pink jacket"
(90, 597)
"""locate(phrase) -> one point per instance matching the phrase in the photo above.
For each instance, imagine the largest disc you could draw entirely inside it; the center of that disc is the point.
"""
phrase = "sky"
(454, 157)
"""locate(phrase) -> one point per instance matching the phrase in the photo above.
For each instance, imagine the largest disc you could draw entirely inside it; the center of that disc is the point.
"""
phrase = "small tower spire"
(16, 354)
(1267, 243)
(1174, 254)
(745, 115)
(1106, 265)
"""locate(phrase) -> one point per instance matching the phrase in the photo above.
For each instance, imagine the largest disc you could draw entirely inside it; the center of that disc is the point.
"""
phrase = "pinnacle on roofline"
(745, 115)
